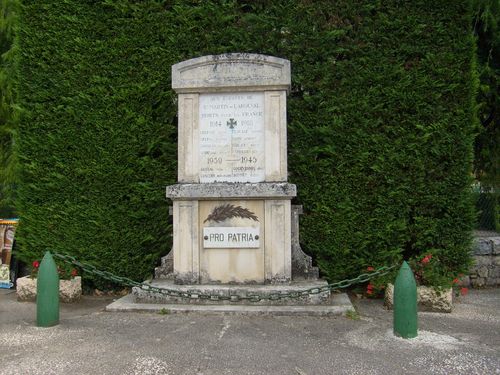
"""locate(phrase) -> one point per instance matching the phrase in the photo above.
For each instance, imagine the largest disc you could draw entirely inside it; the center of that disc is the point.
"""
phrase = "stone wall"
(486, 268)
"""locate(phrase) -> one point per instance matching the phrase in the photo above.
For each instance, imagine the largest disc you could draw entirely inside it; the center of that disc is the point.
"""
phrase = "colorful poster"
(7, 231)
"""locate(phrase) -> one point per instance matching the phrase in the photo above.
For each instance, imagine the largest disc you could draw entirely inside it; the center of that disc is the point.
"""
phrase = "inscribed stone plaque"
(230, 237)
(232, 137)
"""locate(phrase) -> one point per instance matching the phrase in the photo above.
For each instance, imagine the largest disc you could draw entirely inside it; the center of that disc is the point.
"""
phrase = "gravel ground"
(91, 341)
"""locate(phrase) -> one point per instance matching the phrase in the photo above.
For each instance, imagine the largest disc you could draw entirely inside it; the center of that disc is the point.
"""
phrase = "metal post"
(47, 298)
(405, 304)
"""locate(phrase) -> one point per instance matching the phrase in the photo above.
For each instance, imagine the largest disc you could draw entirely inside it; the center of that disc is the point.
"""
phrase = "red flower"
(36, 264)
(74, 272)
(464, 291)
(369, 287)
(455, 281)
(427, 259)
(370, 268)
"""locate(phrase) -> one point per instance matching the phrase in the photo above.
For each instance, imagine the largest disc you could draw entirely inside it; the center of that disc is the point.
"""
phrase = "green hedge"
(381, 121)
(486, 22)
(9, 10)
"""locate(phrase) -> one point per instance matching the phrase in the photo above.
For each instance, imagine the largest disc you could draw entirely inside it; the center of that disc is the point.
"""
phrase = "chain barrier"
(124, 281)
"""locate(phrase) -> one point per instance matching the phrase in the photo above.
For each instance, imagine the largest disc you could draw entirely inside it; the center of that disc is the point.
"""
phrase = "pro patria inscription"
(232, 137)
(230, 237)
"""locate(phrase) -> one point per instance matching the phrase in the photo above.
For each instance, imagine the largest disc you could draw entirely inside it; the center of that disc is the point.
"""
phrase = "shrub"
(381, 119)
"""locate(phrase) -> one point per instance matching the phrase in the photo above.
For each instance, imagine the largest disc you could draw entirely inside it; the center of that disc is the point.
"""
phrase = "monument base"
(322, 304)
(232, 232)
(339, 304)
(302, 267)
(272, 292)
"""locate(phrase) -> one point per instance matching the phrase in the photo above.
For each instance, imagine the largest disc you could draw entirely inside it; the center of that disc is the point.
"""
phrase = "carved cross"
(231, 123)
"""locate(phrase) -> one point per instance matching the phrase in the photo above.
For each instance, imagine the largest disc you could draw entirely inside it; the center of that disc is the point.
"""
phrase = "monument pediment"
(239, 71)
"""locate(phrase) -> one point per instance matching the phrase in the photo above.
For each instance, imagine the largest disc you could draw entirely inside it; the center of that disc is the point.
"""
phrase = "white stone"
(236, 265)
(428, 298)
(236, 71)
(231, 137)
(276, 136)
(265, 80)
(186, 243)
(26, 289)
(188, 139)
(231, 237)
(214, 191)
(69, 290)
(278, 253)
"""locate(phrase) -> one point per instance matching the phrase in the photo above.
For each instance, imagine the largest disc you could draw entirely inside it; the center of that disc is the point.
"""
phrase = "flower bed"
(435, 284)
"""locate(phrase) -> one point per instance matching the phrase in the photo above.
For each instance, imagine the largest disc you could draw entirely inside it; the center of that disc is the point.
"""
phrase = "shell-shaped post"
(405, 303)
(47, 299)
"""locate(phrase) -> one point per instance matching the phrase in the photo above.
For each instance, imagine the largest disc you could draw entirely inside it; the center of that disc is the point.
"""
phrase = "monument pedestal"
(302, 267)
(232, 233)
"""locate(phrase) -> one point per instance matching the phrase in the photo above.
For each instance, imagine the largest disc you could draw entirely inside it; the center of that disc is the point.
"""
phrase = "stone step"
(339, 304)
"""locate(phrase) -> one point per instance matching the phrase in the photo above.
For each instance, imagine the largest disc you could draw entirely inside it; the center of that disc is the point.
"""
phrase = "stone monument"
(235, 230)
(231, 207)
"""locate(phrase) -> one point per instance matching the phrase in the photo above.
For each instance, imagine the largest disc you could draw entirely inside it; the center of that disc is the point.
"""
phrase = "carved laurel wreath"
(228, 211)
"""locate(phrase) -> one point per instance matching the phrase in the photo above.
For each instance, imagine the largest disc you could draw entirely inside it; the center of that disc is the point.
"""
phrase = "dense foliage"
(381, 123)
(390, 140)
(8, 115)
(487, 143)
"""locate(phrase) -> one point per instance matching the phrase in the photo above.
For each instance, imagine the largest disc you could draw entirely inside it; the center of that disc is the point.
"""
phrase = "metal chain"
(364, 277)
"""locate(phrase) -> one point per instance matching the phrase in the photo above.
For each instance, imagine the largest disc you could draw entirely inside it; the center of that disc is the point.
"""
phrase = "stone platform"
(274, 290)
(338, 304)
(324, 303)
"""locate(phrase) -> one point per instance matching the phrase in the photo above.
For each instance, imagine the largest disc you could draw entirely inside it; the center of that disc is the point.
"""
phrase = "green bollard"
(47, 296)
(405, 303)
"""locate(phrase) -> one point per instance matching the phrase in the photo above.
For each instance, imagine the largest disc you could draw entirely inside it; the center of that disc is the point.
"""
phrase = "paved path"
(92, 341)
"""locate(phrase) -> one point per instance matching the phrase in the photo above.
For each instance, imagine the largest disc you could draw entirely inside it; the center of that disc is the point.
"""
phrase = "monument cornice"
(232, 190)
(231, 71)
